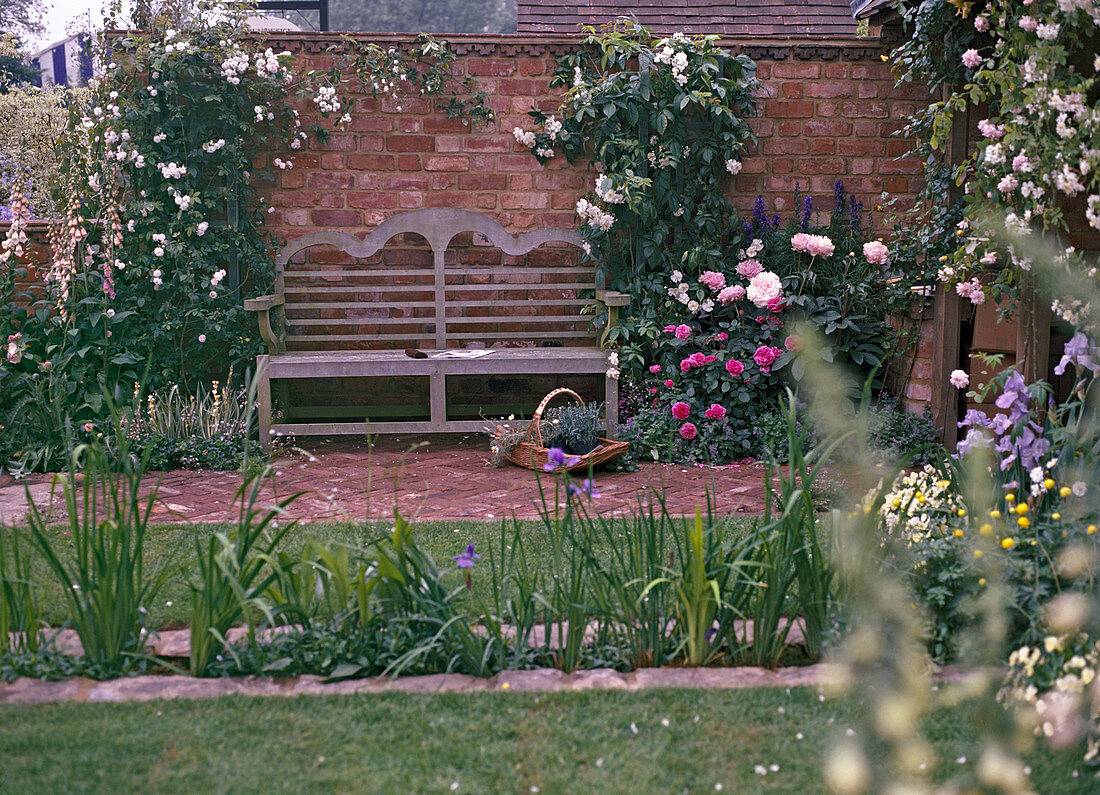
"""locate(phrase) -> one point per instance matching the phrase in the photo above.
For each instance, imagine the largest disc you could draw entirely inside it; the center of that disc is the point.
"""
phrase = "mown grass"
(174, 545)
(484, 742)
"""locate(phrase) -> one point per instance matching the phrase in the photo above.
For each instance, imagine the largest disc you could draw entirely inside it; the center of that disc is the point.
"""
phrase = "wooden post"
(1033, 333)
(945, 358)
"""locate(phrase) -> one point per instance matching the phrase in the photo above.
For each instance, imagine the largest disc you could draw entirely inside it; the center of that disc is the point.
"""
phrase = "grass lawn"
(175, 545)
(564, 742)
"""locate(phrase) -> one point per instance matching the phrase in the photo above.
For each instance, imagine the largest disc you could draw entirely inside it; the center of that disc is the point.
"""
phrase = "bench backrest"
(347, 293)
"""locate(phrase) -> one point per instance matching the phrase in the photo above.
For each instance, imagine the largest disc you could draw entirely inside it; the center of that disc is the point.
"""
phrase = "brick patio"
(446, 477)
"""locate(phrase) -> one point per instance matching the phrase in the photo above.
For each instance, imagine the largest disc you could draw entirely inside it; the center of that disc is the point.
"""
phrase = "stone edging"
(543, 680)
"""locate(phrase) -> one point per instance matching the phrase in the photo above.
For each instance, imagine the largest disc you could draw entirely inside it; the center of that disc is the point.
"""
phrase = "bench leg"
(611, 406)
(263, 397)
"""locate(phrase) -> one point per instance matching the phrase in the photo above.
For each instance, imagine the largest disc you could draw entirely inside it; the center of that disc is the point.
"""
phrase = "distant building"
(66, 63)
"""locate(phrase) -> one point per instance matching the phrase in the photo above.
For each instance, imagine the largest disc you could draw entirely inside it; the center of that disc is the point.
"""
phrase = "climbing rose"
(775, 306)
(971, 59)
(764, 287)
(655, 368)
(668, 383)
(681, 410)
(793, 343)
(683, 331)
(734, 367)
(715, 412)
(876, 253)
(959, 379)
(688, 431)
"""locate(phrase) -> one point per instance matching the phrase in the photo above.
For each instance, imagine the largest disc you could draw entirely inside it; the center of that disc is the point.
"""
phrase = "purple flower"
(807, 212)
(467, 559)
(556, 457)
(587, 487)
(1079, 352)
(838, 194)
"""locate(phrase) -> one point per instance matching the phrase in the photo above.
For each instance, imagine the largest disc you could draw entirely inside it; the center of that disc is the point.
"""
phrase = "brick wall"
(827, 112)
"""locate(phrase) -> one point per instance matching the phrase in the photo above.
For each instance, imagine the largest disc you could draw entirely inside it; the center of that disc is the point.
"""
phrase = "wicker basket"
(531, 454)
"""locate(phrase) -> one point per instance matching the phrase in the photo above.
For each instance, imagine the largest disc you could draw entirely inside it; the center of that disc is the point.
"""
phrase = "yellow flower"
(943, 484)
(896, 502)
(981, 581)
(1091, 529)
(995, 514)
(1048, 483)
(1008, 543)
(1010, 497)
(920, 498)
(958, 534)
(1024, 522)
(985, 529)
(1056, 516)
(1021, 508)
(962, 512)
(978, 553)
(1065, 491)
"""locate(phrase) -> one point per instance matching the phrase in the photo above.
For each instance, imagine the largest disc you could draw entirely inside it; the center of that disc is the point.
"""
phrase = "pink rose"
(668, 383)
(732, 293)
(764, 357)
(1028, 23)
(793, 343)
(670, 329)
(715, 412)
(712, 279)
(697, 359)
(981, 24)
(734, 367)
(655, 368)
(688, 431)
(721, 336)
(775, 306)
(88, 427)
(971, 59)
(685, 365)
(683, 331)
(653, 390)
(681, 410)
(748, 268)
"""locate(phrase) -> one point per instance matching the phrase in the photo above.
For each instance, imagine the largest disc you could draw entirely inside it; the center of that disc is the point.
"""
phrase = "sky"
(58, 14)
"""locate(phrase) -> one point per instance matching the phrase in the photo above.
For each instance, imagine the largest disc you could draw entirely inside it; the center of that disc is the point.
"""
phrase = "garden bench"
(337, 317)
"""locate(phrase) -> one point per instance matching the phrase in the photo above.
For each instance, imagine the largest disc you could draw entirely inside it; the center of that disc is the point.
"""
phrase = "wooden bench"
(333, 316)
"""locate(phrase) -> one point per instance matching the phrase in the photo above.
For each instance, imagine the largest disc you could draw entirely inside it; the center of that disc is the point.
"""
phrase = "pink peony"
(793, 343)
(765, 356)
(959, 379)
(748, 268)
(714, 280)
(688, 431)
(814, 245)
(655, 368)
(734, 367)
(775, 306)
(681, 410)
(683, 331)
(971, 59)
(876, 253)
(668, 383)
(733, 293)
(715, 412)
(764, 287)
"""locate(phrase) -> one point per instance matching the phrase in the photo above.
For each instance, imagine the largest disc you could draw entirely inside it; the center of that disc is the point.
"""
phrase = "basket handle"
(533, 431)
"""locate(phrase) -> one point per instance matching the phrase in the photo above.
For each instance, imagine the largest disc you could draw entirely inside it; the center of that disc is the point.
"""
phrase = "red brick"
(521, 182)
(835, 70)
(785, 146)
(482, 182)
(789, 129)
(862, 110)
(791, 90)
(908, 166)
(793, 109)
(372, 200)
(408, 162)
(410, 143)
(823, 165)
(331, 218)
(448, 143)
(827, 128)
(797, 71)
(867, 90)
(340, 143)
(447, 163)
(488, 143)
(865, 129)
(496, 67)
(531, 67)
(371, 122)
(871, 71)
(441, 124)
(823, 146)
(524, 201)
(324, 179)
(371, 162)
(410, 125)
(410, 200)
(331, 161)
(859, 147)
(405, 181)
(486, 201)
(372, 143)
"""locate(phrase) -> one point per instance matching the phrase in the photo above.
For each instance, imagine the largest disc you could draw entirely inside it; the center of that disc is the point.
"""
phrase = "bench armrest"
(263, 303)
(613, 301)
(271, 333)
(611, 298)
